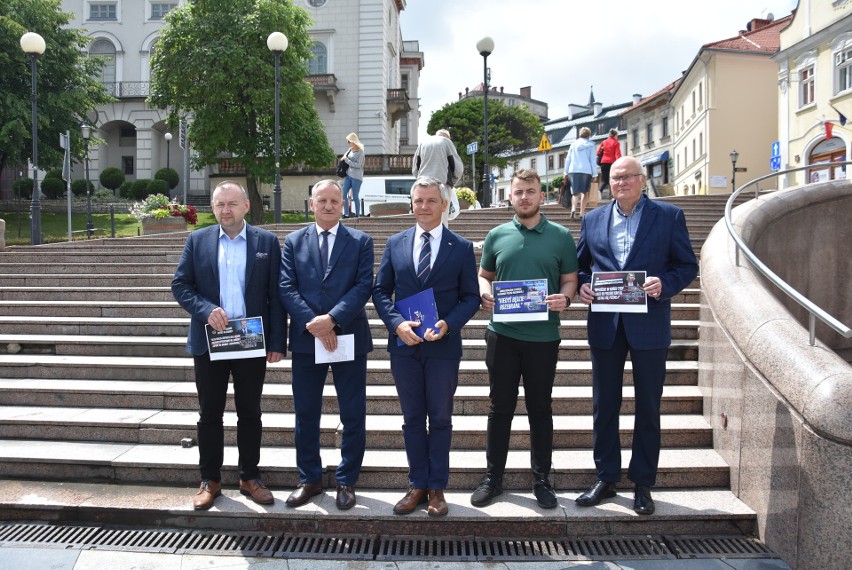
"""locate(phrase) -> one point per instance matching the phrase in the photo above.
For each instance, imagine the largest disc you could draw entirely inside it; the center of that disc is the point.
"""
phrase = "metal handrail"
(814, 311)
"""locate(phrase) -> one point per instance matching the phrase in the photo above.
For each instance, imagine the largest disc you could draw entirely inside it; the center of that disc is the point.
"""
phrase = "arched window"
(318, 64)
(823, 156)
(104, 50)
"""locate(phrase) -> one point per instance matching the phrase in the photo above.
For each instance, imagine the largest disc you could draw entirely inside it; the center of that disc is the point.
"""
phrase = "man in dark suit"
(326, 279)
(227, 272)
(633, 233)
(426, 366)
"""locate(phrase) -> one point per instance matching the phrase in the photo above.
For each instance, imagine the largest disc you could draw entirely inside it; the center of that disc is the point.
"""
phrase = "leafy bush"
(55, 173)
(23, 188)
(157, 186)
(111, 177)
(170, 175)
(103, 195)
(53, 187)
(140, 188)
(78, 187)
(466, 195)
(126, 190)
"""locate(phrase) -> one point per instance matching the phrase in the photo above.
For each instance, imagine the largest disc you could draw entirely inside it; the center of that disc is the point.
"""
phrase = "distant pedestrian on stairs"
(633, 233)
(228, 272)
(609, 151)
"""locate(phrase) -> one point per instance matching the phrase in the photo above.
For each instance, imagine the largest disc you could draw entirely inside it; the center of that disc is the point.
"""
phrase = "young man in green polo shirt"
(529, 247)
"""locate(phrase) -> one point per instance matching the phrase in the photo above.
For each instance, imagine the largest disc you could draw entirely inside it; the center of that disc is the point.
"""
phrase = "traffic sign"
(473, 148)
(775, 163)
(776, 149)
(544, 144)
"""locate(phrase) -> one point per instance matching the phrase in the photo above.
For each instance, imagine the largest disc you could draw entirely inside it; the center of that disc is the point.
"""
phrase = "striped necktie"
(324, 251)
(424, 262)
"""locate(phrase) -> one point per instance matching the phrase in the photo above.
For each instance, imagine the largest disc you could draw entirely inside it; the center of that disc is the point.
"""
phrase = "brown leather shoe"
(437, 504)
(257, 491)
(207, 493)
(408, 504)
(345, 497)
(303, 494)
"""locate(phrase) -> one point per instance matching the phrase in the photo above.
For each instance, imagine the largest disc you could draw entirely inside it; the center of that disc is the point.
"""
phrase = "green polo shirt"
(514, 253)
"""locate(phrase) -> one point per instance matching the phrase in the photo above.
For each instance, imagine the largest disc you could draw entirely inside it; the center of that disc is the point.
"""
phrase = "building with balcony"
(815, 90)
(363, 75)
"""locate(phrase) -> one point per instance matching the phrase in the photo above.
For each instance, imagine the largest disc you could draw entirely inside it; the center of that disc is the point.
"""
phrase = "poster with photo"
(619, 292)
(242, 338)
(519, 300)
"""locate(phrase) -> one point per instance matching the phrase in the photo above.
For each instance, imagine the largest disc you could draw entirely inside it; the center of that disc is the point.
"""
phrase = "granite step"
(278, 397)
(165, 369)
(382, 469)
(384, 431)
(126, 503)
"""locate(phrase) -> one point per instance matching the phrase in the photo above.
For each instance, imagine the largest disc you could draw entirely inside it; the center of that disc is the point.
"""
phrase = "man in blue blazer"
(230, 271)
(425, 365)
(326, 279)
(634, 233)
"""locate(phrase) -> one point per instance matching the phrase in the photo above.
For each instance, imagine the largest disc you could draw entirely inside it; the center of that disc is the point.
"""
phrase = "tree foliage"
(510, 130)
(212, 63)
(65, 83)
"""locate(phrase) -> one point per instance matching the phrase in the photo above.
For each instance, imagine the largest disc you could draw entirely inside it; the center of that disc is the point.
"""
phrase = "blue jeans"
(355, 185)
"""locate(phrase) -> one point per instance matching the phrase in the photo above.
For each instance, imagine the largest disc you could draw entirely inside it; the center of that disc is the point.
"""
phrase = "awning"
(656, 158)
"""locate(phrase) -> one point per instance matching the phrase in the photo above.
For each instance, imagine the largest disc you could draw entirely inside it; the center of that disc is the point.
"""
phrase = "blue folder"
(420, 307)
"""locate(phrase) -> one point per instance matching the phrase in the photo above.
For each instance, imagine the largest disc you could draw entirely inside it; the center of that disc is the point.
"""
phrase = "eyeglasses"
(619, 179)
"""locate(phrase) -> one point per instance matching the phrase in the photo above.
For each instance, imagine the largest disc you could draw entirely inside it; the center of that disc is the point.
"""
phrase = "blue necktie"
(324, 251)
(424, 263)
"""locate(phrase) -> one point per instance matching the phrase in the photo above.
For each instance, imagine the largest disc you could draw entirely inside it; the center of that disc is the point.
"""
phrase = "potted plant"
(158, 215)
(466, 196)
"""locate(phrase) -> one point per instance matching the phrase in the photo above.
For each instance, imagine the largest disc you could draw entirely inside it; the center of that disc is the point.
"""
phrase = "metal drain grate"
(375, 547)
(718, 546)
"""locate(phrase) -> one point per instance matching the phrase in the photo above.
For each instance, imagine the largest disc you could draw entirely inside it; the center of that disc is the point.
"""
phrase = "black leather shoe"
(303, 494)
(598, 492)
(488, 488)
(345, 497)
(545, 496)
(642, 501)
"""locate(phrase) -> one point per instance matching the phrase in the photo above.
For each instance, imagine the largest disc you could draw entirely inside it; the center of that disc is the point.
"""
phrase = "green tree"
(510, 130)
(65, 83)
(212, 63)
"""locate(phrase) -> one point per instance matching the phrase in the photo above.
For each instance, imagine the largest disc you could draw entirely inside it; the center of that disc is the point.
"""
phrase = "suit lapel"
(447, 242)
(649, 213)
(210, 247)
(408, 250)
(312, 244)
(251, 251)
(606, 228)
(341, 242)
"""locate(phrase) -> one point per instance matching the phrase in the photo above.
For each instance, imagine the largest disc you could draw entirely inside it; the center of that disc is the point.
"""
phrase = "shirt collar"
(332, 231)
(539, 227)
(435, 232)
(636, 209)
(242, 233)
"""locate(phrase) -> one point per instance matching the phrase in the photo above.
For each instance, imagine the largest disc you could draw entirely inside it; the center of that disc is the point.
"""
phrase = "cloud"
(563, 47)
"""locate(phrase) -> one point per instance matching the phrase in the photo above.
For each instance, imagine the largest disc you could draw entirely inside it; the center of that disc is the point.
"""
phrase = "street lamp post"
(168, 137)
(277, 43)
(33, 45)
(485, 47)
(87, 133)
(734, 156)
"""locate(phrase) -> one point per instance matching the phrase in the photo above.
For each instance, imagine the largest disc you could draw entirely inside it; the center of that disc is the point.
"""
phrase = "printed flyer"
(242, 338)
(619, 292)
(520, 300)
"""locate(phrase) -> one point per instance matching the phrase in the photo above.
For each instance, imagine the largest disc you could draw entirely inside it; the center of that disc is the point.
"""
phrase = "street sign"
(544, 144)
(473, 148)
(775, 163)
(776, 148)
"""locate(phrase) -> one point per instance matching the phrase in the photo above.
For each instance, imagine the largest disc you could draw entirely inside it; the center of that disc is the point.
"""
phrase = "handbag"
(342, 167)
(600, 154)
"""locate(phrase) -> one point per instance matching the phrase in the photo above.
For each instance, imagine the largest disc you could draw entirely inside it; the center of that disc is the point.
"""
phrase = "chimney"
(598, 108)
(757, 23)
(636, 98)
(501, 89)
(526, 92)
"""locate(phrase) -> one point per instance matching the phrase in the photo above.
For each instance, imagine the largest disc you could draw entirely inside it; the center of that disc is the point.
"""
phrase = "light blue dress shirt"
(232, 273)
(623, 231)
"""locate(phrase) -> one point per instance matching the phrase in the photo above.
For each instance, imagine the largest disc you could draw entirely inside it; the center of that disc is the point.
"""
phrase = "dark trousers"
(350, 383)
(426, 387)
(508, 360)
(649, 375)
(211, 382)
(605, 168)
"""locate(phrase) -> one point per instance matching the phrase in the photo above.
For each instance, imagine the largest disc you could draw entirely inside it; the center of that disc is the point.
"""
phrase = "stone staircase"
(96, 393)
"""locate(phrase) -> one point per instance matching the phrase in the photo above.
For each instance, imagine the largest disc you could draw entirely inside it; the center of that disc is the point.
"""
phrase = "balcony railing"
(128, 89)
(373, 164)
(325, 83)
(398, 104)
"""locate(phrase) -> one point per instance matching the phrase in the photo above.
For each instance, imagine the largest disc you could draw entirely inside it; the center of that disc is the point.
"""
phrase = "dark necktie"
(324, 251)
(424, 263)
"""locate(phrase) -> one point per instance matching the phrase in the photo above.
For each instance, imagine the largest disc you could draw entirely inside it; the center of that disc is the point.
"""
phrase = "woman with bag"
(609, 152)
(353, 175)
(580, 167)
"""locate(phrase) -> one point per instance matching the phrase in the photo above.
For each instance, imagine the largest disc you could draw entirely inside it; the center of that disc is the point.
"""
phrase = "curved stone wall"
(781, 410)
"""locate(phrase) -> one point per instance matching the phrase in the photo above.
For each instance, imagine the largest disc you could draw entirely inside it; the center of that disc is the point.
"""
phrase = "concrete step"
(117, 504)
(573, 349)
(278, 397)
(382, 469)
(384, 431)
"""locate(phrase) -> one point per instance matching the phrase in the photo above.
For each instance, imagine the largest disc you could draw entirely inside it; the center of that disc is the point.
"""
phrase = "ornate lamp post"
(277, 44)
(33, 45)
(734, 156)
(168, 137)
(87, 133)
(485, 47)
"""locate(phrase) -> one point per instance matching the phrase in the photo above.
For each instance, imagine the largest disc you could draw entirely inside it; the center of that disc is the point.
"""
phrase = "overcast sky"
(563, 47)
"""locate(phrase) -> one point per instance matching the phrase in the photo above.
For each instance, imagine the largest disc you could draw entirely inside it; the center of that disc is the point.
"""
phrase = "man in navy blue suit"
(326, 279)
(425, 366)
(228, 272)
(634, 233)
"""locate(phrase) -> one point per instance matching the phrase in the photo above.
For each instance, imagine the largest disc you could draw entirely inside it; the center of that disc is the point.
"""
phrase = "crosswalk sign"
(544, 144)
